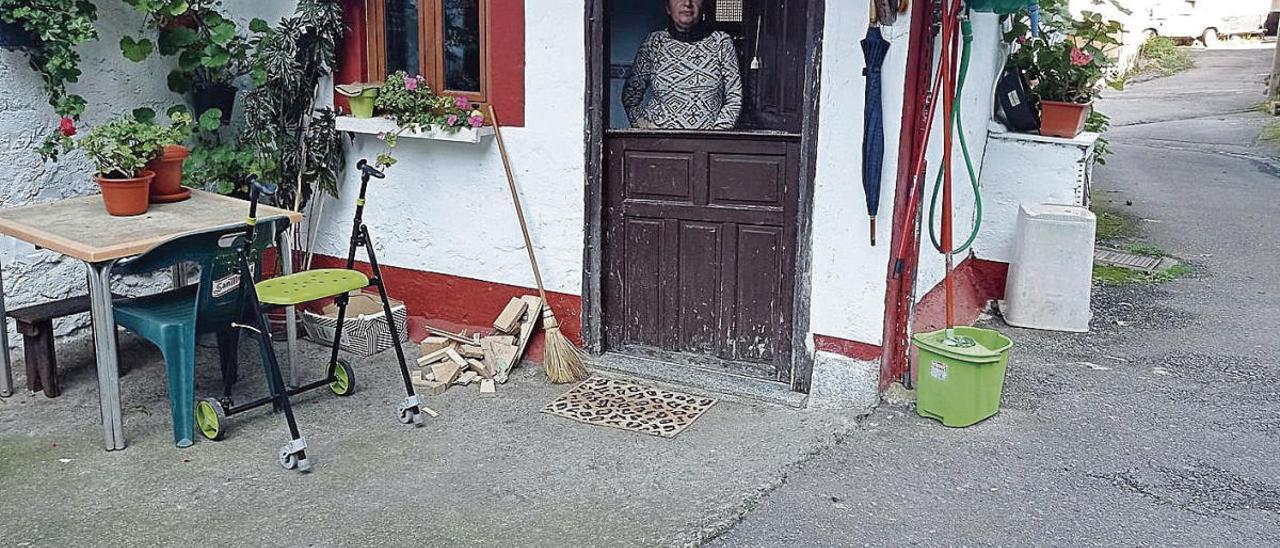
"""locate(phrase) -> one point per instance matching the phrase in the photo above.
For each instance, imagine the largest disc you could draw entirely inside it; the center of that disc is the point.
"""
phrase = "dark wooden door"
(699, 249)
(775, 89)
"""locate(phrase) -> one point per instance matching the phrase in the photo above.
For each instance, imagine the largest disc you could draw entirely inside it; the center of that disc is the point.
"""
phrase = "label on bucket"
(938, 370)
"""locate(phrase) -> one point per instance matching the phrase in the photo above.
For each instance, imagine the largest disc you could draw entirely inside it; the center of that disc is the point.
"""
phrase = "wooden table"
(81, 228)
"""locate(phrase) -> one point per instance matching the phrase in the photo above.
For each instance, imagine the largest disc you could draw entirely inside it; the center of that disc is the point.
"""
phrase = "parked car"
(1208, 20)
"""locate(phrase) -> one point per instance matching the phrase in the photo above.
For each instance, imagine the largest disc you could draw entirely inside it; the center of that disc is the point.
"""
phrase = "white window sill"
(378, 124)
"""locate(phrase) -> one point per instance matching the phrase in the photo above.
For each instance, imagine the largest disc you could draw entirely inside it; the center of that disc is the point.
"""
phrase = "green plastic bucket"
(961, 386)
(362, 105)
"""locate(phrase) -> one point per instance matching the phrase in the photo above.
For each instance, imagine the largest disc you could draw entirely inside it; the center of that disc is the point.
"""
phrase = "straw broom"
(561, 359)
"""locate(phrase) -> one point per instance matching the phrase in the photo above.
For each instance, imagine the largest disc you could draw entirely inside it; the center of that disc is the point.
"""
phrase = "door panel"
(698, 248)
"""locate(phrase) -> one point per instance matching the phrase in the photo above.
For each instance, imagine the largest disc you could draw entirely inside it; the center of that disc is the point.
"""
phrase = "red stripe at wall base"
(853, 349)
(453, 301)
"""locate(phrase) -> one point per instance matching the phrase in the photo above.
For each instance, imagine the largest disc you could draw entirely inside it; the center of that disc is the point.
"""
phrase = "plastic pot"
(168, 170)
(220, 96)
(1058, 119)
(125, 197)
(14, 37)
(362, 105)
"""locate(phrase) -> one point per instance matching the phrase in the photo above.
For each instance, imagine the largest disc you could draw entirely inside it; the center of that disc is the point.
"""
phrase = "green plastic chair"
(172, 319)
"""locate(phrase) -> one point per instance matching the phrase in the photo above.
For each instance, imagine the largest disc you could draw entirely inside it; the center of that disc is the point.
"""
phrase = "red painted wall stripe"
(976, 282)
(853, 349)
(353, 53)
(506, 60)
(464, 302)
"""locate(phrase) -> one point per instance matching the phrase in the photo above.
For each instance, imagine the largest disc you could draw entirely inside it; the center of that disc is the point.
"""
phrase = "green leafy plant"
(1069, 59)
(1099, 123)
(298, 145)
(411, 103)
(210, 48)
(222, 168)
(121, 148)
(56, 28)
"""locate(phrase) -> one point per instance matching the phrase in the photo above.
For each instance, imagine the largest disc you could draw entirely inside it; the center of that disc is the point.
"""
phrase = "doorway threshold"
(687, 378)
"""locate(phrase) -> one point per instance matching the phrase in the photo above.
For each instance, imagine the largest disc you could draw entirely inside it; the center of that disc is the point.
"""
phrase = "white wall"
(445, 207)
(848, 281)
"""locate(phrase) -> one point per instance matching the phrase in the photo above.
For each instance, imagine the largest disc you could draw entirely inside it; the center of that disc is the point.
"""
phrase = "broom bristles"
(561, 359)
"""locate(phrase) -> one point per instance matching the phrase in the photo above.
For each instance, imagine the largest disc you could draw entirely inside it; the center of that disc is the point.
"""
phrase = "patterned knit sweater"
(691, 85)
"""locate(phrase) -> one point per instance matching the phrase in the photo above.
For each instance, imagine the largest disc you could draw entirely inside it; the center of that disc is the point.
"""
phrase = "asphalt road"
(1159, 427)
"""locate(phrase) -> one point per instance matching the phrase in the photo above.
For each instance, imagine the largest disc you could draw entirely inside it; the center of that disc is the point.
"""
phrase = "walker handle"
(369, 171)
(258, 189)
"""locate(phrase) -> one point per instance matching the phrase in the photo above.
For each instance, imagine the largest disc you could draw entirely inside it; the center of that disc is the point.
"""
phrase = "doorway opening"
(697, 238)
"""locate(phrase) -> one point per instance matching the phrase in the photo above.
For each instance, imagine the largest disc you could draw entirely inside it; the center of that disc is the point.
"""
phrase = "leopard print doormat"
(630, 406)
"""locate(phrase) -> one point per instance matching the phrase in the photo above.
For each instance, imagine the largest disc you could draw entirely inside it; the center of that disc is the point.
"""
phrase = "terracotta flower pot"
(125, 197)
(1058, 119)
(168, 170)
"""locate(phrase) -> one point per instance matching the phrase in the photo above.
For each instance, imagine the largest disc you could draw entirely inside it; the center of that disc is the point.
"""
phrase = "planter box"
(378, 124)
(364, 330)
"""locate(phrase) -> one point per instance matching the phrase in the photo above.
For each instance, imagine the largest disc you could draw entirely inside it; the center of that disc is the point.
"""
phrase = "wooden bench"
(35, 323)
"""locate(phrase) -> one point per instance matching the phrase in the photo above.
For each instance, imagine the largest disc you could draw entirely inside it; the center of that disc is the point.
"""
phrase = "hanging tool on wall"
(874, 50)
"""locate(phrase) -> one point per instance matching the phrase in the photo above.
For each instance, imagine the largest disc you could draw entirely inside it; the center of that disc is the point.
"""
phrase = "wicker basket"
(364, 330)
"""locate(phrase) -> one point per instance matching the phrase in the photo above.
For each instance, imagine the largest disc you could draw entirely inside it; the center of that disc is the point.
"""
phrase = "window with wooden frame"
(446, 41)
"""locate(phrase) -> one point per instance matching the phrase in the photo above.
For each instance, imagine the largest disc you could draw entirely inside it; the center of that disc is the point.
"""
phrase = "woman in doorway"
(690, 73)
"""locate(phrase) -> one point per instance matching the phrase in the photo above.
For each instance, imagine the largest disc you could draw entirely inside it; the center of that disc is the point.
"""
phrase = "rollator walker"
(294, 289)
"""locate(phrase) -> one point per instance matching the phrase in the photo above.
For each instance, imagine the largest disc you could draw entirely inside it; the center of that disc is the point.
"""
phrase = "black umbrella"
(874, 48)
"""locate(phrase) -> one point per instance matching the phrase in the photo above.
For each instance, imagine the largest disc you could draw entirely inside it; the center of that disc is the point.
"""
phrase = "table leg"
(6, 371)
(290, 313)
(104, 344)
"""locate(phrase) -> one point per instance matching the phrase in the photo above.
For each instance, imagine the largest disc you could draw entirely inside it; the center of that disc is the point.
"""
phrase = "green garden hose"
(966, 29)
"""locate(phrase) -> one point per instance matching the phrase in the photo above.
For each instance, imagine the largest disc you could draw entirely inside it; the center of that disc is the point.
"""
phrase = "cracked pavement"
(1159, 426)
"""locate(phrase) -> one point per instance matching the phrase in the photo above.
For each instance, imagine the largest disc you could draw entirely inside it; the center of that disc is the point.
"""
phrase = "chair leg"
(180, 361)
(229, 359)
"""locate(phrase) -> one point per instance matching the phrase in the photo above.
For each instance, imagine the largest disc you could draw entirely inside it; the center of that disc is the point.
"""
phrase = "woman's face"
(685, 13)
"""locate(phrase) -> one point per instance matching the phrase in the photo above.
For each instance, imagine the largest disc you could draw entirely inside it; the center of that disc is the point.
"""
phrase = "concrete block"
(841, 382)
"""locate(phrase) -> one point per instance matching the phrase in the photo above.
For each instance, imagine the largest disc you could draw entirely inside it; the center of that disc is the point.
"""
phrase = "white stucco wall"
(848, 281)
(445, 207)
(111, 85)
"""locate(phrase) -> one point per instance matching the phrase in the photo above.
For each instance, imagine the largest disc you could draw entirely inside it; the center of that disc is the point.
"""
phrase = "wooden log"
(509, 320)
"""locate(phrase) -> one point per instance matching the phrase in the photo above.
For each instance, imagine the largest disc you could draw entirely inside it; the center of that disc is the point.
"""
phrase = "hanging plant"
(54, 29)
(211, 50)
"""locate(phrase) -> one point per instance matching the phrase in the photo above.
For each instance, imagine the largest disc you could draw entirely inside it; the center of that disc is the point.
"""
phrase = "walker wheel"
(211, 419)
(344, 379)
(288, 460)
(409, 416)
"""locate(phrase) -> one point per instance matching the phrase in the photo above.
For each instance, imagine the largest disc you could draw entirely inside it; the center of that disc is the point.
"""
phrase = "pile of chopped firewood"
(458, 359)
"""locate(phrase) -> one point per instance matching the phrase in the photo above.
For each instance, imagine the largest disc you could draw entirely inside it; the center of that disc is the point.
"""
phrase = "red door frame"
(900, 288)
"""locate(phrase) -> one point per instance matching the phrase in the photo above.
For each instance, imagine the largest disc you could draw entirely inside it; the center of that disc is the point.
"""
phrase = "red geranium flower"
(1080, 57)
(67, 126)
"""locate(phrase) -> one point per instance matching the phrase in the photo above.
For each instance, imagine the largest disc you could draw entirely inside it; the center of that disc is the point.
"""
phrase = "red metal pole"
(948, 108)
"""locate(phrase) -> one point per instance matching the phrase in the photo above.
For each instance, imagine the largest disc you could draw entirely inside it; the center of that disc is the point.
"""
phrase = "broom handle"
(515, 198)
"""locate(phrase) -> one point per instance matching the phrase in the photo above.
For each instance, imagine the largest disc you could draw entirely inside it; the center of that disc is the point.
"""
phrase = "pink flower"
(453, 120)
(382, 136)
(476, 120)
(1080, 57)
(67, 126)
(461, 103)
(410, 83)
(1022, 40)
